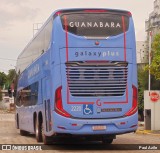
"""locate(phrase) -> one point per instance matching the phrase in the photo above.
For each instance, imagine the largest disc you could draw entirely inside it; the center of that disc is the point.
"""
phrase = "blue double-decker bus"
(78, 77)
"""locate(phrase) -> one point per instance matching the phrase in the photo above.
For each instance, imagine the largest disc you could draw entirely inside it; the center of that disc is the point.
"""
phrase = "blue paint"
(46, 64)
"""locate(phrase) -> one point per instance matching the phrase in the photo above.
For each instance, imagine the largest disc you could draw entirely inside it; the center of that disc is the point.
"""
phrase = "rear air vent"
(96, 79)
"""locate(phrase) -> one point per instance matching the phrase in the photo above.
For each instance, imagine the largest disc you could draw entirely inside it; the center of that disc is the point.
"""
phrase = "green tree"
(7, 80)
(12, 80)
(155, 64)
(142, 85)
(0, 94)
(3, 79)
(11, 75)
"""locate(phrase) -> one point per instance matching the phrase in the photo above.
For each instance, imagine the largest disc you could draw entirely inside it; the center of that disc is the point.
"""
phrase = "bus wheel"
(46, 140)
(23, 133)
(107, 141)
(38, 130)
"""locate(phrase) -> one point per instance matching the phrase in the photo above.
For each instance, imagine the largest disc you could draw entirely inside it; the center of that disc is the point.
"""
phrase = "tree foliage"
(11, 75)
(155, 64)
(3, 79)
(0, 94)
(6, 80)
(142, 85)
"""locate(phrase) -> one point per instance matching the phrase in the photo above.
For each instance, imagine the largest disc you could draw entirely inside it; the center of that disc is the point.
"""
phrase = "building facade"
(142, 52)
(152, 97)
(152, 25)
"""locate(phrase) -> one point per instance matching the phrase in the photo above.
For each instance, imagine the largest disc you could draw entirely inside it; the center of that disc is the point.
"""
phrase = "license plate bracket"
(99, 127)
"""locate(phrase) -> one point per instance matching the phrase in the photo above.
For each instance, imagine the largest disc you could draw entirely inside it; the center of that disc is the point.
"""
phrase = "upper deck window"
(95, 24)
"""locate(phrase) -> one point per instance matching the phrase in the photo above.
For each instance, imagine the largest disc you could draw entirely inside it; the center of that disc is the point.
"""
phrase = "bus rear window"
(95, 24)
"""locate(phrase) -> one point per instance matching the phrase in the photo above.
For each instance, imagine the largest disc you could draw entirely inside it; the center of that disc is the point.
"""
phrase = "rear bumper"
(84, 126)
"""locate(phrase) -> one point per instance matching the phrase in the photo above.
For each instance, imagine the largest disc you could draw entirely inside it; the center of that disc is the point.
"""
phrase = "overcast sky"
(17, 18)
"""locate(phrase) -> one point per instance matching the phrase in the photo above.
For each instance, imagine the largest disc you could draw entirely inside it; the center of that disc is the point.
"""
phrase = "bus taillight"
(58, 13)
(58, 103)
(129, 14)
(133, 110)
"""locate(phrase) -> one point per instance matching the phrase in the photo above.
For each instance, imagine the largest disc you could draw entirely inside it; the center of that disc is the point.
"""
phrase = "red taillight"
(58, 13)
(74, 124)
(58, 103)
(95, 11)
(129, 14)
(122, 123)
(133, 110)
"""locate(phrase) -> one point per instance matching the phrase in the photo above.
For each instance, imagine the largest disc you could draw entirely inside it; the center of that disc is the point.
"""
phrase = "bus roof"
(59, 11)
(96, 10)
(72, 10)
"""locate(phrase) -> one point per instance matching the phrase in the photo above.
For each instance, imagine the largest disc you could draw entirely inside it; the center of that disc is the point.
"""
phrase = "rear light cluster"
(58, 13)
(133, 110)
(59, 106)
(92, 11)
(58, 103)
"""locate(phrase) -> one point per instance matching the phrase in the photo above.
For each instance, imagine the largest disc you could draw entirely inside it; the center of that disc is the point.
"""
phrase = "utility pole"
(149, 53)
(149, 58)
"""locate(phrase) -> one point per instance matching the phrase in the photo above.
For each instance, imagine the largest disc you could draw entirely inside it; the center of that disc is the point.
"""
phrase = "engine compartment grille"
(96, 79)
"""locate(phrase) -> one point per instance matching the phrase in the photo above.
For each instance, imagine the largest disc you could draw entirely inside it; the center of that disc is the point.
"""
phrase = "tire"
(46, 140)
(23, 133)
(38, 130)
(107, 141)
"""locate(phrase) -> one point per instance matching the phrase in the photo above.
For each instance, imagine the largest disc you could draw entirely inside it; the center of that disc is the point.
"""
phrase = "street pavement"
(10, 135)
(141, 130)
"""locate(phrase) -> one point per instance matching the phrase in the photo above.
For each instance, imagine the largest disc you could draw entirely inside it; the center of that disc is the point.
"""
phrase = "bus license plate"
(99, 127)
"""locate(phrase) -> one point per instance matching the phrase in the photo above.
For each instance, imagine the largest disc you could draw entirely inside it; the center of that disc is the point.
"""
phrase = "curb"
(147, 132)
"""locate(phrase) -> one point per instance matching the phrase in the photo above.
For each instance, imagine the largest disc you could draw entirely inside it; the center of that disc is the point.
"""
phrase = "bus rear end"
(96, 74)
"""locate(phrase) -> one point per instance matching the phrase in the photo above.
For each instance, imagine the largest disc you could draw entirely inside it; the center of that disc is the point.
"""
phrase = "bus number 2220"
(76, 108)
